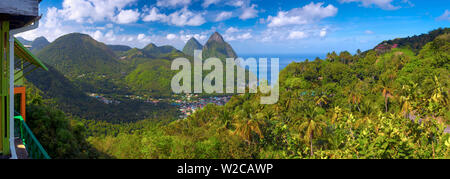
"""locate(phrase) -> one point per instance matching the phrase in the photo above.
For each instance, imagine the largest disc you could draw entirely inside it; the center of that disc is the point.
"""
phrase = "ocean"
(284, 60)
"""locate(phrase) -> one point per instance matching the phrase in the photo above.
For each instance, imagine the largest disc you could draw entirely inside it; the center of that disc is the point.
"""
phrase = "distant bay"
(284, 60)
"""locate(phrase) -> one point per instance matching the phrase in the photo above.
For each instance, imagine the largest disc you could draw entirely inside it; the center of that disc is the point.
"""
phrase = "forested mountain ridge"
(191, 45)
(119, 48)
(380, 105)
(72, 100)
(77, 54)
(218, 48)
(38, 44)
(416, 42)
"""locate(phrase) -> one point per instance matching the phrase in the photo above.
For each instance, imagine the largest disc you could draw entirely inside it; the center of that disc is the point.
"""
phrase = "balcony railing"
(32, 145)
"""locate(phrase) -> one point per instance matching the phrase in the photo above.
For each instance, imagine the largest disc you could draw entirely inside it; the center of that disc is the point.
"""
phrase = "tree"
(246, 128)
(313, 129)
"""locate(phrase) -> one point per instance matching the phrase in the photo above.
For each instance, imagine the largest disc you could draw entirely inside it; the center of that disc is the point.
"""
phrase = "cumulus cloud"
(249, 12)
(297, 35)
(183, 17)
(298, 16)
(244, 36)
(236, 3)
(445, 16)
(186, 37)
(92, 10)
(232, 34)
(173, 3)
(231, 30)
(171, 36)
(127, 16)
(383, 4)
(207, 3)
(223, 16)
(323, 32)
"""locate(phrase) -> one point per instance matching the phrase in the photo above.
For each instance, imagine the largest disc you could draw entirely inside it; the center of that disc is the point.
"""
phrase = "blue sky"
(250, 26)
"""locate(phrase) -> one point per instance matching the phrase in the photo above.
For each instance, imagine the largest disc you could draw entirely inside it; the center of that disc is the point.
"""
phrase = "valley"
(342, 106)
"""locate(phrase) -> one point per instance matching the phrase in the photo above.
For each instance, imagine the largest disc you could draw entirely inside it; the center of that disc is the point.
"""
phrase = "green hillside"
(152, 78)
(161, 52)
(72, 100)
(391, 105)
(416, 42)
(119, 48)
(78, 54)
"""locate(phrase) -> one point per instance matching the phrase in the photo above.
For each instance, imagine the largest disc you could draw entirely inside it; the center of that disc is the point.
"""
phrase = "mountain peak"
(217, 47)
(39, 43)
(192, 45)
(41, 38)
(150, 46)
(216, 37)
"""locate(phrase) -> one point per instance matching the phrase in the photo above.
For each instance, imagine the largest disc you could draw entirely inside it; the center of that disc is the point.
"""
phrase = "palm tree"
(406, 106)
(246, 127)
(321, 100)
(354, 98)
(387, 93)
(313, 129)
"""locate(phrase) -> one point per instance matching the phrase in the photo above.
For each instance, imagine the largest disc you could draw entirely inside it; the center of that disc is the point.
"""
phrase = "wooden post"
(21, 91)
(4, 87)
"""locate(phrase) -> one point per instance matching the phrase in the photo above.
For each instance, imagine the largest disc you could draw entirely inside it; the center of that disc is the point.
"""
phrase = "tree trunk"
(386, 103)
(311, 142)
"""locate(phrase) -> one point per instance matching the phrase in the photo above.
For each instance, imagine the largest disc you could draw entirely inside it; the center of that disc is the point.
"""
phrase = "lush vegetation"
(62, 136)
(152, 78)
(416, 42)
(391, 105)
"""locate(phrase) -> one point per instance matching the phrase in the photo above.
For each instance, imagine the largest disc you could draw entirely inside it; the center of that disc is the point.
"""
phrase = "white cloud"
(207, 3)
(383, 4)
(51, 26)
(127, 16)
(223, 16)
(232, 35)
(140, 36)
(183, 17)
(298, 16)
(236, 3)
(249, 12)
(244, 36)
(297, 35)
(143, 38)
(323, 32)
(154, 15)
(445, 16)
(173, 3)
(368, 32)
(231, 30)
(186, 37)
(92, 10)
(171, 36)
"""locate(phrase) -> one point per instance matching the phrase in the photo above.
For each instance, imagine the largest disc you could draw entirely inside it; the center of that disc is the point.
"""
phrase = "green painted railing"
(34, 148)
